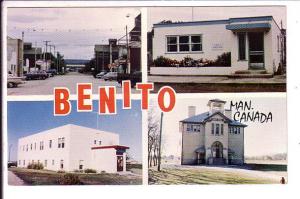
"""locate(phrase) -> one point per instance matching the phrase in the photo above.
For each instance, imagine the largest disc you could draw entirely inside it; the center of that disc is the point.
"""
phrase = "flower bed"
(223, 60)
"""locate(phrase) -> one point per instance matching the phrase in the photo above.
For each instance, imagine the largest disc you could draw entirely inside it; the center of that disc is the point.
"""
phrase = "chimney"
(191, 111)
(228, 113)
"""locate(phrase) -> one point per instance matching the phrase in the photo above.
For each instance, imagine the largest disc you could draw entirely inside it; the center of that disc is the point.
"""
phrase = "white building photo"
(254, 43)
(71, 147)
(212, 137)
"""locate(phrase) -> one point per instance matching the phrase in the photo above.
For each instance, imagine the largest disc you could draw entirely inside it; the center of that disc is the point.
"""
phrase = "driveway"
(14, 180)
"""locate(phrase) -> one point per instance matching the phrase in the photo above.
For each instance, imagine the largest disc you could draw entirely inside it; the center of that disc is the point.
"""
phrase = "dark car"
(51, 72)
(110, 76)
(134, 77)
(36, 75)
(12, 164)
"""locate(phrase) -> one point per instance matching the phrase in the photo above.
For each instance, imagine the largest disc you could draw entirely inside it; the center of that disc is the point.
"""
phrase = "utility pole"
(53, 53)
(159, 146)
(35, 57)
(46, 43)
(57, 60)
(127, 46)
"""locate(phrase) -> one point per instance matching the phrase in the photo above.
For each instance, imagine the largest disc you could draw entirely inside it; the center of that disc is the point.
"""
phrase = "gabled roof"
(203, 117)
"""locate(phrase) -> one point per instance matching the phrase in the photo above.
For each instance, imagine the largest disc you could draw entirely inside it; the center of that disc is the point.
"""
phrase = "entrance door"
(119, 163)
(256, 50)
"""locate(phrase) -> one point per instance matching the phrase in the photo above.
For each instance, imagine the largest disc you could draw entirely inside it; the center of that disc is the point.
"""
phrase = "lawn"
(203, 176)
(46, 177)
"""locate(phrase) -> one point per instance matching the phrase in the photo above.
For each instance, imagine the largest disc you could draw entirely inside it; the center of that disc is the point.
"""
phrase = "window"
(235, 130)
(31, 147)
(188, 127)
(196, 128)
(45, 163)
(62, 142)
(212, 128)
(242, 45)
(23, 162)
(59, 142)
(80, 164)
(217, 129)
(222, 129)
(61, 164)
(172, 44)
(53, 162)
(20, 162)
(50, 144)
(95, 141)
(184, 43)
(26, 147)
(239, 130)
(41, 145)
(196, 43)
(35, 146)
(100, 142)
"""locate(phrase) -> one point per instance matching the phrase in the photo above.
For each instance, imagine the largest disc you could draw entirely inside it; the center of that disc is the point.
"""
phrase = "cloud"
(28, 19)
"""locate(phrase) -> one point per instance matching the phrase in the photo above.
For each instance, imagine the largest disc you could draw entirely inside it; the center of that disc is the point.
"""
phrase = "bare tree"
(153, 138)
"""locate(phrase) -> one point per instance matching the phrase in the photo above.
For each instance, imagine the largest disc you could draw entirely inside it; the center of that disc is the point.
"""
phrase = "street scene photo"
(217, 49)
(228, 140)
(59, 47)
(78, 149)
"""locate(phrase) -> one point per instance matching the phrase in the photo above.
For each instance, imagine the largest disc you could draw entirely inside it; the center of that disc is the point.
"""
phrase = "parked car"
(36, 75)
(12, 164)
(110, 76)
(101, 74)
(133, 77)
(13, 81)
(52, 72)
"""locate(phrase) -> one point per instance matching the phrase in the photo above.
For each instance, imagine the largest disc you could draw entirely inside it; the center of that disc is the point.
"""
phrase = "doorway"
(120, 163)
(256, 50)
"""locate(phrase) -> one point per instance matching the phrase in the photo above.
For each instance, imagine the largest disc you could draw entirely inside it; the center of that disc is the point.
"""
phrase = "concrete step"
(250, 72)
(268, 75)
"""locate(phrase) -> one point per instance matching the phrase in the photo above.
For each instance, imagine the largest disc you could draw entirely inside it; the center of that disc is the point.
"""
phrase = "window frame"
(190, 44)
(245, 46)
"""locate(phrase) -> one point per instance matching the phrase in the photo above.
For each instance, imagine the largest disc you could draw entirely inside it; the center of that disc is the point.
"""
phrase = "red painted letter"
(82, 97)
(62, 105)
(126, 87)
(107, 104)
(145, 88)
(161, 98)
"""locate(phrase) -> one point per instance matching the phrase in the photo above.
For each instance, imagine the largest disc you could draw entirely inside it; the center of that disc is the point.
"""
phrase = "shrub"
(78, 171)
(37, 166)
(90, 171)
(103, 172)
(223, 60)
(69, 179)
(61, 171)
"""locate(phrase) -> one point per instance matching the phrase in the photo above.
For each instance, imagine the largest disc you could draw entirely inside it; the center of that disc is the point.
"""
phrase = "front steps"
(251, 74)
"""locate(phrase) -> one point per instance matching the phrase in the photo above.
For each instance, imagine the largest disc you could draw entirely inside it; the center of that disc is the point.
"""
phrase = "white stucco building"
(212, 137)
(14, 56)
(71, 147)
(254, 43)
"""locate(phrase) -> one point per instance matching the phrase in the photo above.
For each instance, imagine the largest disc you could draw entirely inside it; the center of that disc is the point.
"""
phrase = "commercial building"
(15, 56)
(252, 44)
(75, 64)
(33, 57)
(212, 137)
(71, 147)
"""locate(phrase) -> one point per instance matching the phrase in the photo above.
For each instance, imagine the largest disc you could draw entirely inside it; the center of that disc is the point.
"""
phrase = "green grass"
(202, 176)
(46, 177)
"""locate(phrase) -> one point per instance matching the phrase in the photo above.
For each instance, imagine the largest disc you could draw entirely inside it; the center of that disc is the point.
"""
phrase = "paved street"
(45, 87)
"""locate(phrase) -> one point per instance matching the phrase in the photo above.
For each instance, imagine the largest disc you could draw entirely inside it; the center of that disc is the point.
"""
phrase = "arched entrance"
(217, 150)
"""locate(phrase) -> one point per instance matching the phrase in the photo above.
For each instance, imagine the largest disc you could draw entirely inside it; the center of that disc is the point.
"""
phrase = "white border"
(221, 191)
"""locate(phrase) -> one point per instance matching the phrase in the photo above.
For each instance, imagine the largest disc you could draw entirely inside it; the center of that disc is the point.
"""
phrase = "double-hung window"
(184, 43)
(172, 44)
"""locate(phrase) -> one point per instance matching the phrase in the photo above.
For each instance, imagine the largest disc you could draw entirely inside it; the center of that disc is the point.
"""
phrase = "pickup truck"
(133, 77)
(13, 81)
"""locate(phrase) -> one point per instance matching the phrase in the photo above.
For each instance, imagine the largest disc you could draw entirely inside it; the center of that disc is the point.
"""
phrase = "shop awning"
(200, 150)
(249, 26)
(117, 147)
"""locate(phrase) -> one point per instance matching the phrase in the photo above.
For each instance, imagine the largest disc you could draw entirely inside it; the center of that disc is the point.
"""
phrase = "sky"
(156, 15)
(74, 31)
(260, 138)
(30, 117)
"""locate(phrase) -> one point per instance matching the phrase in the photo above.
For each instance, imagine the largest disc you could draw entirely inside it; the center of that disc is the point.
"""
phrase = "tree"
(153, 138)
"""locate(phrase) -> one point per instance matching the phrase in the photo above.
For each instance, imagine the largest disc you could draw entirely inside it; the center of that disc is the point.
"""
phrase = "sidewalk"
(14, 180)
